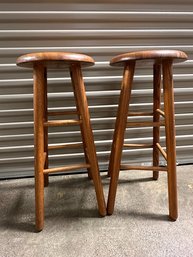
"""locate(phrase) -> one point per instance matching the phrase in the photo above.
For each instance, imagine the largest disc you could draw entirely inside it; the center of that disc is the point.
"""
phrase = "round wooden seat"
(54, 59)
(149, 55)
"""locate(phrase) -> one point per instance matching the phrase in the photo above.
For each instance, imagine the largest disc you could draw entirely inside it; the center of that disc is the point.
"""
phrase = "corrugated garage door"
(101, 29)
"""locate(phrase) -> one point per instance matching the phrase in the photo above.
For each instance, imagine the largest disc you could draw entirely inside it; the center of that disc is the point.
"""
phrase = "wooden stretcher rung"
(131, 167)
(140, 114)
(67, 168)
(52, 147)
(139, 145)
(62, 113)
(145, 124)
(53, 123)
(161, 112)
(164, 154)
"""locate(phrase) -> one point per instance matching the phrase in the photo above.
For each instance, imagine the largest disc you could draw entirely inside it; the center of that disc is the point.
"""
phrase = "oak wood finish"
(156, 115)
(87, 135)
(54, 59)
(53, 123)
(145, 124)
(164, 154)
(162, 60)
(170, 137)
(39, 143)
(139, 145)
(81, 128)
(62, 146)
(154, 56)
(137, 167)
(161, 112)
(67, 168)
(46, 164)
(118, 138)
(45, 157)
(140, 113)
(40, 62)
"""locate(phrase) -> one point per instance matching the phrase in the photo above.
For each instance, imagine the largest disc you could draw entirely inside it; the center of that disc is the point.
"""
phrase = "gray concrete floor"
(139, 226)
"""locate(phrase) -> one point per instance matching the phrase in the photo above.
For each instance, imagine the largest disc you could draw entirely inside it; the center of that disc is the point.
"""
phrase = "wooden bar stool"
(40, 62)
(161, 60)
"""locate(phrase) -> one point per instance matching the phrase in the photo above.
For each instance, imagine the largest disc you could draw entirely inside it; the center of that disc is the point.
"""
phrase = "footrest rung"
(139, 145)
(140, 114)
(67, 168)
(53, 123)
(164, 154)
(154, 168)
(52, 147)
(145, 124)
(161, 112)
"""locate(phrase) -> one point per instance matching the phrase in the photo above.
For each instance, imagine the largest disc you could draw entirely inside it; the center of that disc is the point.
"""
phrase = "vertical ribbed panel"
(101, 30)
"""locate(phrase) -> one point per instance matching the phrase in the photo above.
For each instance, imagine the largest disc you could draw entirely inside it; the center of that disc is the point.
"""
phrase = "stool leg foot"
(39, 144)
(118, 138)
(87, 135)
(170, 138)
(156, 116)
(39, 189)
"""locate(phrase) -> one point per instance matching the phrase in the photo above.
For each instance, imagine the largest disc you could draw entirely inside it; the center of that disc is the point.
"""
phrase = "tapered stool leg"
(85, 152)
(170, 137)
(118, 139)
(46, 177)
(39, 144)
(81, 101)
(156, 115)
(82, 130)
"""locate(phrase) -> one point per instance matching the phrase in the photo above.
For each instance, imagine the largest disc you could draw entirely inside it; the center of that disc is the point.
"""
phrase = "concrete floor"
(139, 226)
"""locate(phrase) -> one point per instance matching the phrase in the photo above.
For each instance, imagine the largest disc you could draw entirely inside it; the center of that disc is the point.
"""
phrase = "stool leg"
(156, 115)
(81, 101)
(170, 137)
(39, 144)
(118, 138)
(85, 153)
(83, 139)
(46, 176)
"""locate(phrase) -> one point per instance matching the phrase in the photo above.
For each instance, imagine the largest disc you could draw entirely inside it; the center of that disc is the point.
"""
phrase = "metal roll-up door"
(101, 29)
